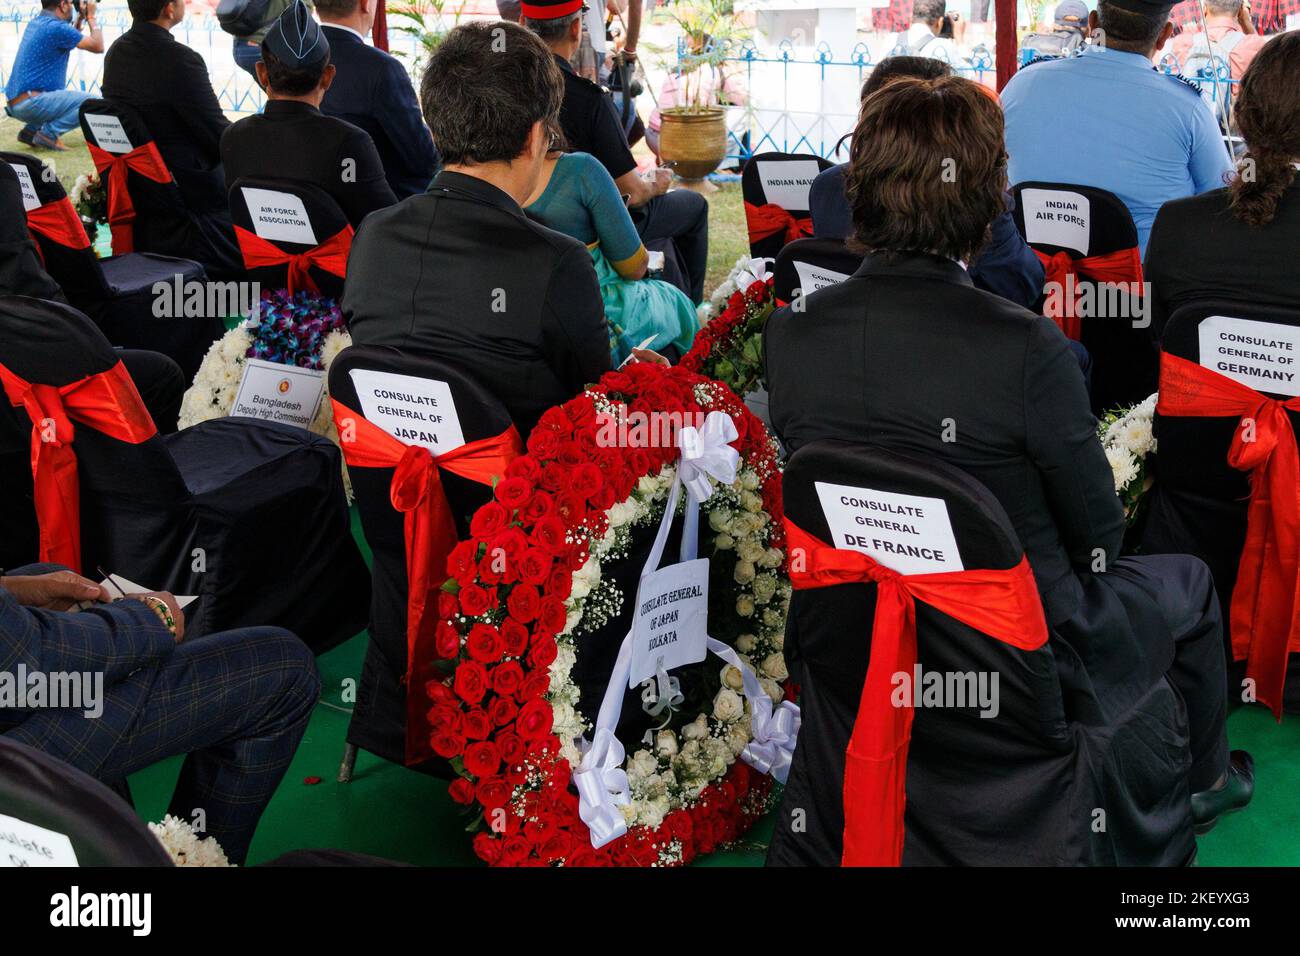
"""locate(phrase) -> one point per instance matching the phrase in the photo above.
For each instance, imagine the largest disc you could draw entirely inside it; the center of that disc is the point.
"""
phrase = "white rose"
(745, 643)
(744, 572)
(727, 705)
(771, 688)
(774, 667)
(750, 550)
(772, 558)
(764, 588)
(719, 519)
(731, 677)
(666, 743)
(697, 729)
(738, 736)
(749, 480)
(642, 765)
(724, 542)
(651, 813)
(750, 501)
(773, 618)
(745, 606)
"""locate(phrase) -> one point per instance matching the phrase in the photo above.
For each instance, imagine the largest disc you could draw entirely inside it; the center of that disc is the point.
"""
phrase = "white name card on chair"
(1055, 217)
(109, 134)
(812, 278)
(273, 392)
(279, 217)
(786, 184)
(415, 411)
(908, 533)
(1261, 355)
(26, 844)
(27, 187)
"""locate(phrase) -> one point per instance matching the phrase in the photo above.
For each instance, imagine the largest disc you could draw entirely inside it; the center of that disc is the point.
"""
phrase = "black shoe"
(27, 136)
(1234, 795)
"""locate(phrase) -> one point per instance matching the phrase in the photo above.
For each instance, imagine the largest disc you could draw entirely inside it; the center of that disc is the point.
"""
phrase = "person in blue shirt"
(577, 196)
(35, 94)
(1108, 119)
(372, 91)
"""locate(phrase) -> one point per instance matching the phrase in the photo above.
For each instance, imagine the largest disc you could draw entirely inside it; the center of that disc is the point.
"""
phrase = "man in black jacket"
(167, 83)
(460, 273)
(373, 92)
(292, 139)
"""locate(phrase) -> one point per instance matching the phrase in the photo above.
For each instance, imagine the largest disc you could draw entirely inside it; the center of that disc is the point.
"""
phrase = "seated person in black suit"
(372, 91)
(1239, 243)
(292, 139)
(591, 124)
(1006, 266)
(167, 83)
(460, 273)
(909, 355)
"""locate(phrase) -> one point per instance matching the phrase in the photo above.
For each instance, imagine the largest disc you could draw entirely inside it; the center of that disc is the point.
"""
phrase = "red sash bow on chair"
(1124, 265)
(1266, 599)
(1001, 604)
(58, 222)
(331, 256)
(769, 219)
(430, 532)
(145, 160)
(106, 402)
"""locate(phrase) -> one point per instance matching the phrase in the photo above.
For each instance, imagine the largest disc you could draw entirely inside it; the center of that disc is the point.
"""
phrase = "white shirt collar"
(339, 26)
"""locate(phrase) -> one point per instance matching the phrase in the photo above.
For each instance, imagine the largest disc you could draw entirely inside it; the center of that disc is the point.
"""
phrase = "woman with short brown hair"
(908, 355)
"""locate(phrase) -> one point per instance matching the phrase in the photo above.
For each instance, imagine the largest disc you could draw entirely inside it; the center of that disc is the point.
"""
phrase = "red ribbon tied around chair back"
(331, 256)
(112, 169)
(430, 531)
(106, 402)
(1123, 265)
(769, 219)
(1001, 604)
(58, 221)
(1266, 599)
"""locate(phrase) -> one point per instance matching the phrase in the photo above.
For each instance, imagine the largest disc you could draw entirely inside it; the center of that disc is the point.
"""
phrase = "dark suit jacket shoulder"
(293, 140)
(461, 274)
(907, 354)
(1200, 250)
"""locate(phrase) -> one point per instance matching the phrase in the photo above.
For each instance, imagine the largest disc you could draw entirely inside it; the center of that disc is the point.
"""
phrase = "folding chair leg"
(349, 763)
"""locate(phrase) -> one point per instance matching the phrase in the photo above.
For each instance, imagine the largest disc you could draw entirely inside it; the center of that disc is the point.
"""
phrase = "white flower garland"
(185, 847)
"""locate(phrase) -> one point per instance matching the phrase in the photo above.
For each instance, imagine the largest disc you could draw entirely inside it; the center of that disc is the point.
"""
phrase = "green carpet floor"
(391, 812)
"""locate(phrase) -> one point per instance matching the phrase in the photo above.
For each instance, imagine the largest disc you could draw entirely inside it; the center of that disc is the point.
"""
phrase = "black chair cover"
(117, 293)
(324, 214)
(39, 790)
(751, 188)
(807, 265)
(1018, 788)
(379, 717)
(1124, 358)
(1198, 502)
(263, 501)
(165, 223)
(21, 270)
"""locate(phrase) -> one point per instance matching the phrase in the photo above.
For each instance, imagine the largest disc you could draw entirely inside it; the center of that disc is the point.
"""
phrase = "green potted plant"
(693, 133)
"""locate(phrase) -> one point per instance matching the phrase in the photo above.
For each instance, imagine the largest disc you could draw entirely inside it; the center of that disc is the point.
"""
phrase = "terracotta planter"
(696, 141)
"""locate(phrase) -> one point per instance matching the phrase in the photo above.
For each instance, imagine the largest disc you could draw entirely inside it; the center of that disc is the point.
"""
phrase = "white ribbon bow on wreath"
(602, 784)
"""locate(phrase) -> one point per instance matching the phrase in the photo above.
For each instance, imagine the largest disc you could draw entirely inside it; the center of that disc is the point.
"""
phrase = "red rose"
(572, 507)
(475, 724)
(506, 678)
(524, 467)
(461, 561)
(447, 604)
(535, 685)
(512, 748)
(502, 711)
(571, 454)
(515, 849)
(490, 568)
(586, 479)
(582, 856)
(446, 640)
(493, 792)
(461, 790)
(482, 759)
(514, 636)
(541, 655)
(560, 583)
(445, 716)
(539, 506)
(439, 692)
(446, 743)
(552, 615)
(513, 492)
(534, 720)
(512, 541)
(483, 643)
(604, 498)
(487, 847)
(523, 602)
(489, 520)
(470, 683)
(548, 534)
(535, 566)
(556, 847)
(475, 600)
(543, 443)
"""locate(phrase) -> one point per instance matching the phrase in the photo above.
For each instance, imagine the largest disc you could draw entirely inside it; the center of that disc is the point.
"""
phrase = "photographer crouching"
(36, 94)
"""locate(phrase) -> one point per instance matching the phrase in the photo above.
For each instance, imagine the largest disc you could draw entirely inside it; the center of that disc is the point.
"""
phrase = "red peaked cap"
(550, 9)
